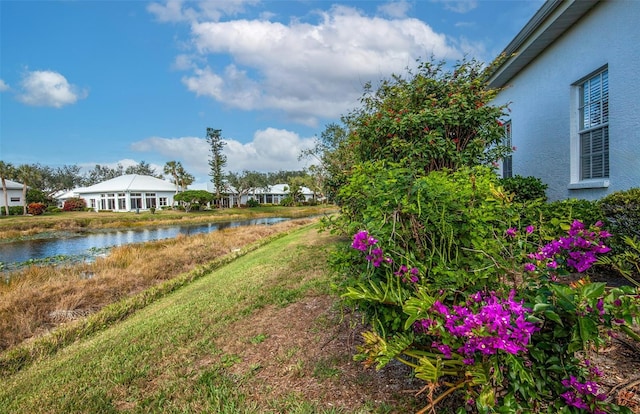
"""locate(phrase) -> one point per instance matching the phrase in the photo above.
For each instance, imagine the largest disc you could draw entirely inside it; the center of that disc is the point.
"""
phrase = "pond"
(87, 245)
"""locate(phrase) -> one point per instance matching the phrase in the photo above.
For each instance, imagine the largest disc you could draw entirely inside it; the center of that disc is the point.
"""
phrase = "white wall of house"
(544, 101)
(14, 194)
(126, 193)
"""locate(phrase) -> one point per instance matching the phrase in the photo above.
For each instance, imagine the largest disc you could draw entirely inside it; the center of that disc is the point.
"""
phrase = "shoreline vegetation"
(24, 227)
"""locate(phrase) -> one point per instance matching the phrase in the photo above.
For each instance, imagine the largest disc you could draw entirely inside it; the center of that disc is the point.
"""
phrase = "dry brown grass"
(38, 298)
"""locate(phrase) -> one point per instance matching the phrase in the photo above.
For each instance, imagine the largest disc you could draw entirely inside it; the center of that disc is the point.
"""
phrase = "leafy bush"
(36, 209)
(252, 203)
(525, 188)
(621, 211)
(53, 209)
(74, 204)
(13, 211)
(515, 346)
(287, 202)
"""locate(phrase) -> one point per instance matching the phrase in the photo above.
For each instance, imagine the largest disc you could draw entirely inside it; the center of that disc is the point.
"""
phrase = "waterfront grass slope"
(166, 356)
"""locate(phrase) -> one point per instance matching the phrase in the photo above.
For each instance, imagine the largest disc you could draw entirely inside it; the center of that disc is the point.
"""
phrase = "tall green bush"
(457, 280)
(525, 188)
(432, 119)
(621, 211)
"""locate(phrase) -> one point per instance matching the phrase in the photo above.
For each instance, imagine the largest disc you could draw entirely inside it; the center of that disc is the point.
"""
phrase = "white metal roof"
(129, 183)
(12, 185)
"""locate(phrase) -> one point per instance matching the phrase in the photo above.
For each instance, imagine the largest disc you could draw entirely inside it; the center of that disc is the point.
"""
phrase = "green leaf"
(551, 315)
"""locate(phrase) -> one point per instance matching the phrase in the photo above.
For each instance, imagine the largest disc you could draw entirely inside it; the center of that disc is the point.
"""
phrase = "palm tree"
(7, 170)
(27, 174)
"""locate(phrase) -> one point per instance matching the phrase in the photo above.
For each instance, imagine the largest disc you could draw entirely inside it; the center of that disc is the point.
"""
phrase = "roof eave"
(549, 23)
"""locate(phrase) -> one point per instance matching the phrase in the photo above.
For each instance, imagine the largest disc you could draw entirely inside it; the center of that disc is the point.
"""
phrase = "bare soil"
(307, 349)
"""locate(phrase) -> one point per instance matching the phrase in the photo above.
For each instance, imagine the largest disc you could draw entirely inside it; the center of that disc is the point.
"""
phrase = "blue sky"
(89, 82)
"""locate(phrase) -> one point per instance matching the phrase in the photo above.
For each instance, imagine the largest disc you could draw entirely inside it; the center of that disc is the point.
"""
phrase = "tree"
(281, 176)
(27, 174)
(432, 120)
(101, 173)
(142, 168)
(171, 168)
(246, 182)
(217, 161)
(295, 185)
(53, 180)
(7, 171)
(184, 178)
(334, 159)
(190, 197)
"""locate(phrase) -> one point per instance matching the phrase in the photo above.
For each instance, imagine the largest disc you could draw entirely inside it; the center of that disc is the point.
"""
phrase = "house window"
(507, 162)
(122, 201)
(593, 127)
(136, 200)
(163, 201)
(15, 199)
(150, 200)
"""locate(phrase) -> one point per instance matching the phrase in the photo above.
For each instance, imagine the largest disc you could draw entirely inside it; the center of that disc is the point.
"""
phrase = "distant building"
(129, 192)
(571, 81)
(272, 194)
(14, 194)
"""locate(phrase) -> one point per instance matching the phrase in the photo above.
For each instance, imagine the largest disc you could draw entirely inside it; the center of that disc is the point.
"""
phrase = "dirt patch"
(306, 349)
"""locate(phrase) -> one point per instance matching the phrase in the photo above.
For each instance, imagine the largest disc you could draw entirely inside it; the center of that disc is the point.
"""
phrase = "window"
(15, 199)
(593, 127)
(507, 162)
(136, 200)
(122, 201)
(163, 201)
(150, 200)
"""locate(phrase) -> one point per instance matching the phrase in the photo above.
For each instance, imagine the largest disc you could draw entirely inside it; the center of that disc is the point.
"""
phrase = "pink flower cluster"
(579, 393)
(363, 241)
(579, 248)
(497, 324)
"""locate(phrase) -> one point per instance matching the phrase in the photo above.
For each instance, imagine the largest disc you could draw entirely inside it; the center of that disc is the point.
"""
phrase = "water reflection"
(87, 244)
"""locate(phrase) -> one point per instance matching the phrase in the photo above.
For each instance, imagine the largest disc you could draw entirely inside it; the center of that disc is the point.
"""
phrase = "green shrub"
(252, 203)
(36, 209)
(75, 204)
(525, 188)
(13, 211)
(287, 202)
(53, 209)
(621, 211)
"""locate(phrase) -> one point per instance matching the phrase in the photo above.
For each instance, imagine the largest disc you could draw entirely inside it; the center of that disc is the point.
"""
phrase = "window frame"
(507, 161)
(577, 131)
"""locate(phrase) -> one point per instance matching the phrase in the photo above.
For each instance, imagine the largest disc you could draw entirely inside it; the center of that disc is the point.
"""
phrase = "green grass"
(165, 358)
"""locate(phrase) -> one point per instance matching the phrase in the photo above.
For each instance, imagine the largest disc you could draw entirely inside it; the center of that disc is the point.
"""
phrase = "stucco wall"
(542, 111)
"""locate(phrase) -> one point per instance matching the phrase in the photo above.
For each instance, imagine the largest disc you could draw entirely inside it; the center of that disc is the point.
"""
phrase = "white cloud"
(48, 88)
(178, 11)
(308, 71)
(458, 6)
(395, 9)
(271, 150)
(3, 86)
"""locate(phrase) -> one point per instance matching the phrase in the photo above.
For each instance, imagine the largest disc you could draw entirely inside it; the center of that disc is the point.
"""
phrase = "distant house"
(129, 192)
(571, 78)
(14, 194)
(272, 194)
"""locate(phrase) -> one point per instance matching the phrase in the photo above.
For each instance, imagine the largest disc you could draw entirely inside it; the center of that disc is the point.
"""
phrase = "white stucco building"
(573, 86)
(14, 194)
(129, 192)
